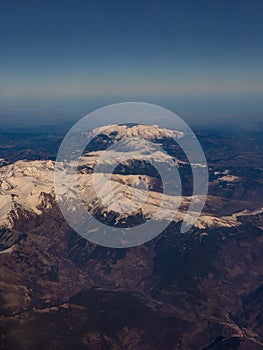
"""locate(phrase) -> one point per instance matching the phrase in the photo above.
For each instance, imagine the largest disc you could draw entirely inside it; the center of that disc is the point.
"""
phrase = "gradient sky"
(194, 56)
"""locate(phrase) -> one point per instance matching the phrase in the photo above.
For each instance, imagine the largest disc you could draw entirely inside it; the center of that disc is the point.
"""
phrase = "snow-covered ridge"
(228, 178)
(148, 132)
(24, 183)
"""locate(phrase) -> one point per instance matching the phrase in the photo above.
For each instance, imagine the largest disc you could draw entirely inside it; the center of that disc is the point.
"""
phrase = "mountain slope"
(198, 290)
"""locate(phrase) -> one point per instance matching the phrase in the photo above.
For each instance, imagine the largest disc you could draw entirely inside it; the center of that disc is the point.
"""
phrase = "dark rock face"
(199, 290)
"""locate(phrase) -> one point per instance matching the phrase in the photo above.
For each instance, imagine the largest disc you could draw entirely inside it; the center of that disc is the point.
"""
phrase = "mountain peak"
(148, 132)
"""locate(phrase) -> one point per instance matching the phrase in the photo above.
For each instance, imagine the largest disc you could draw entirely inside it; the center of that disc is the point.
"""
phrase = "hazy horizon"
(202, 60)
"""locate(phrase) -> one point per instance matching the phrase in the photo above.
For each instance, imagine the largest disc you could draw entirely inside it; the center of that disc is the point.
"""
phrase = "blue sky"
(190, 56)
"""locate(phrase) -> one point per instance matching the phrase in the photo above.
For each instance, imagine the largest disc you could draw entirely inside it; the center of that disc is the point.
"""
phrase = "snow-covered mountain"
(198, 290)
(148, 132)
(24, 184)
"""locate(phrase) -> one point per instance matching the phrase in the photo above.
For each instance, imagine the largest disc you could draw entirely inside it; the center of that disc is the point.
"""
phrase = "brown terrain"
(198, 290)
